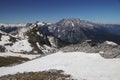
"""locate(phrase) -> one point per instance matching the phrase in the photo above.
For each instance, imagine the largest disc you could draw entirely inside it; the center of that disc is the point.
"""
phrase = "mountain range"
(44, 38)
(74, 30)
(34, 50)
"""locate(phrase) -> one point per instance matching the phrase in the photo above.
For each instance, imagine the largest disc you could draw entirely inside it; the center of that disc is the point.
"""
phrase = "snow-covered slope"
(21, 46)
(28, 39)
(4, 39)
(17, 46)
(80, 65)
(111, 43)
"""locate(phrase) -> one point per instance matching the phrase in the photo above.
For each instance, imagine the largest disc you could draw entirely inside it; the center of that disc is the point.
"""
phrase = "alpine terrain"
(70, 49)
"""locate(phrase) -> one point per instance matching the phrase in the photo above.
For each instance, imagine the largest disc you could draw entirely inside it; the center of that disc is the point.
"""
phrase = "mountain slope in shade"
(76, 30)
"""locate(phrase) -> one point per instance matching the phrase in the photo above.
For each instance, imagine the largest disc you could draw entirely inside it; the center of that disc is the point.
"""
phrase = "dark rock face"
(37, 38)
(45, 30)
(2, 48)
(0, 36)
(60, 43)
(12, 39)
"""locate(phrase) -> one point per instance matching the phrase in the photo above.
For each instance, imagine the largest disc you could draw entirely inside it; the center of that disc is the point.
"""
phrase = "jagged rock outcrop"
(106, 49)
(37, 39)
(29, 39)
(7, 39)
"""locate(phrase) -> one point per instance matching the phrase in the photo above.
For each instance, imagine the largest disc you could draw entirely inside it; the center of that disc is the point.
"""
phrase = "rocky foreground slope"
(106, 49)
(25, 40)
(80, 65)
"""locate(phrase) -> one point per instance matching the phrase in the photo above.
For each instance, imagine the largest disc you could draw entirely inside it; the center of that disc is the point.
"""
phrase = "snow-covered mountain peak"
(75, 22)
(40, 23)
(68, 22)
(111, 43)
(71, 29)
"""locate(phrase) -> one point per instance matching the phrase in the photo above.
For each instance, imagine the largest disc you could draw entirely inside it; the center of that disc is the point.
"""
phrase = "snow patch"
(111, 43)
(73, 24)
(79, 64)
(4, 40)
(38, 45)
(40, 23)
(38, 33)
(21, 46)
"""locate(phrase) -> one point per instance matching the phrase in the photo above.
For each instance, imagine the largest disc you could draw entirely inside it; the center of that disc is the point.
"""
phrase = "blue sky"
(23, 11)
